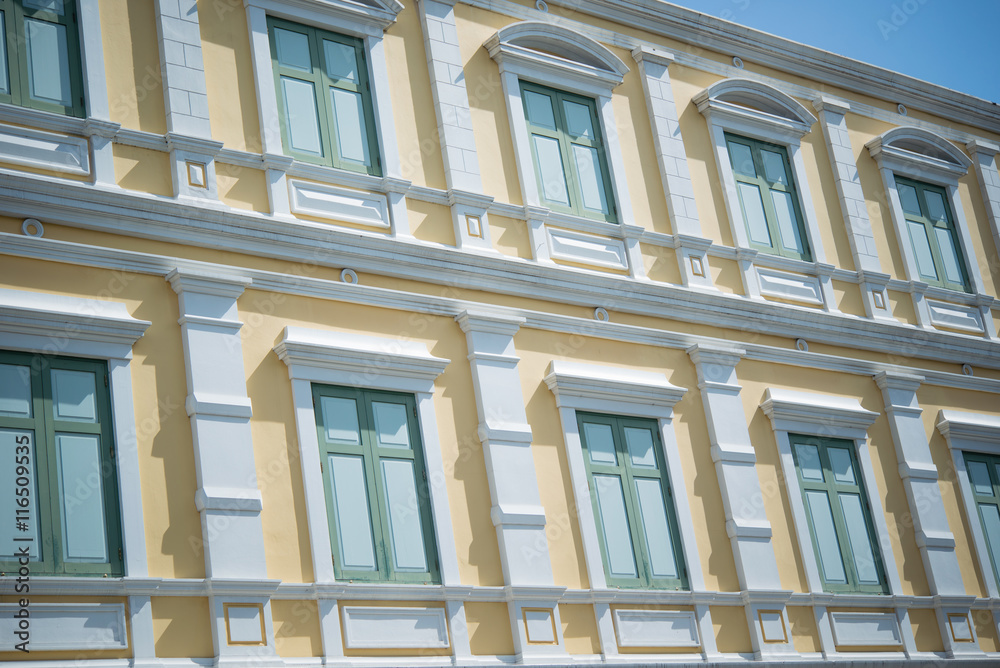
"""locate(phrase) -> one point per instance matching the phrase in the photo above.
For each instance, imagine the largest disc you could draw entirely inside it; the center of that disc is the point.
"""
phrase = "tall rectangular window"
(324, 97)
(568, 151)
(633, 505)
(376, 486)
(40, 56)
(58, 486)
(839, 518)
(931, 228)
(768, 198)
(984, 476)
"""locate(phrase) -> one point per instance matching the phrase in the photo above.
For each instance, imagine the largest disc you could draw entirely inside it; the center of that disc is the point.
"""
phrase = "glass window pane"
(600, 443)
(840, 462)
(979, 474)
(352, 135)
(640, 447)
(48, 61)
(653, 514)
(403, 508)
(13, 534)
(742, 159)
(617, 538)
(821, 516)
(81, 498)
(354, 525)
(74, 395)
(4, 76)
(991, 527)
(550, 170)
(293, 49)
(540, 110)
(578, 120)
(857, 533)
(774, 167)
(391, 427)
(922, 250)
(908, 198)
(807, 458)
(753, 212)
(788, 226)
(588, 168)
(15, 390)
(949, 254)
(341, 61)
(340, 418)
(54, 6)
(301, 115)
(935, 206)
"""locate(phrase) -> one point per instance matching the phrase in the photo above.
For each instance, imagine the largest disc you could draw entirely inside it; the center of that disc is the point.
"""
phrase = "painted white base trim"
(66, 626)
(586, 248)
(395, 628)
(45, 150)
(865, 629)
(955, 316)
(656, 628)
(791, 287)
(339, 204)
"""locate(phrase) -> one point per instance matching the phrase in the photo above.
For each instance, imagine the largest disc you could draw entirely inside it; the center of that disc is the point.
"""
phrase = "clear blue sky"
(953, 43)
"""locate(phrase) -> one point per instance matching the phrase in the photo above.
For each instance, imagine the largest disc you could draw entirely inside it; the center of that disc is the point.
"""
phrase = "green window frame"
(984, 478)
(769, 200)
(567, 149)
(633, 503)
(40, 64)
(930, 227)
(56, 442)
(372, 460)
(839, 517)
(336, 128)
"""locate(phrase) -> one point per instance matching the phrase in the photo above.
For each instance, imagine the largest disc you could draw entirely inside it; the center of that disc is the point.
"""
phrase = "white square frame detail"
(791, 411)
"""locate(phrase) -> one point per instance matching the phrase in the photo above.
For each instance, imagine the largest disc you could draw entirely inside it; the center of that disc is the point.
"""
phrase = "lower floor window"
(376, 485)
(58, 485)
(984, 476)
(632, 502)
(839, 518)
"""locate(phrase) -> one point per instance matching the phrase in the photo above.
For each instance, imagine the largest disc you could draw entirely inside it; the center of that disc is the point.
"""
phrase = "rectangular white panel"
(67, 626)
(539, 109)
(352, 132)
(550, 170)
(301, 115)
(818, 505)
(244, 625)
(48, 61)
(956, 316)
(340, 418)
(45, 150)
(395, 628)
(753, 212)
(404, 515)
(949, 254)
(15, 390)
(791, 287)
(614, 520)
(600, 443)
(656, 628)
(640, 447)
(857, 533)
(341, 61)
(788, 227)
(539, 626)
(586, 248)
(391, 425)
(81, 498)
(293, 49)
(354, 526)
(865, 629)
(656, 529)
(332, 203)
(17, 449)
(588, 171)
(74, 395)
(922, 250)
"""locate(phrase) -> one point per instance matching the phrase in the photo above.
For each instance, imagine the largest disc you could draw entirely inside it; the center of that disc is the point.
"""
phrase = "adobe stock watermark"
(23, 468)
(899, 16)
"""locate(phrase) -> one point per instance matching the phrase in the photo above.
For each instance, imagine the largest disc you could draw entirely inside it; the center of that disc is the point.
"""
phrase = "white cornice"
(596, 387)
(970, 431)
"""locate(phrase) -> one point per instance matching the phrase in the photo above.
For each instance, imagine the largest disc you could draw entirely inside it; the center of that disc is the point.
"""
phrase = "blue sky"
(954, 43)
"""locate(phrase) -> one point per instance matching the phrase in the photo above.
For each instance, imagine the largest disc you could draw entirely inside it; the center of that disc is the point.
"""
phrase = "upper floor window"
(633, 503)
(376, 485)
(768, 199)
(324, 97)
(568, 151)
(40, 60)
(931, 229)
(58, 481)
(837, 513)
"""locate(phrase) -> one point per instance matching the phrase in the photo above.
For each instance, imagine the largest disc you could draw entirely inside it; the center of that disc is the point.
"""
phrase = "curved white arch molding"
(772, 114)
(919, 154)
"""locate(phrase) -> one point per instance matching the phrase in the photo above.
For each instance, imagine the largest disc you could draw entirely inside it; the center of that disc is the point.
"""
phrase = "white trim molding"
(754, 109)
(567, 60)
(66, 626)
(921, 155)
(361, 360)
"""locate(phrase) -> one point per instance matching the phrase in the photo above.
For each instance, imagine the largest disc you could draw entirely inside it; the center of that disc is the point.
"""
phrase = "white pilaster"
(984, 158)
(746, 522)
(832, 117)
(228, 497)
(920, 480)
(454, 122)
(517, 510)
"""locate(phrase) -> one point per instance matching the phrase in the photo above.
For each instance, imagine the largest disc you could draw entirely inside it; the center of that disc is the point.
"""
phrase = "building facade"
(482, 332)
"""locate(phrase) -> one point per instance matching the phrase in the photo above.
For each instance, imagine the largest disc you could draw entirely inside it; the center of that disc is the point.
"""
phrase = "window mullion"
(327, 119)
(51, 474)
(376, 496)
(566, 153)
(643, 564)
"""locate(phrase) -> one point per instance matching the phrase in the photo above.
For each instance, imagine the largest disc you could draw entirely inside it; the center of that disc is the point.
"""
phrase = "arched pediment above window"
(546, 53)
(919, 154)
(755, 105)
